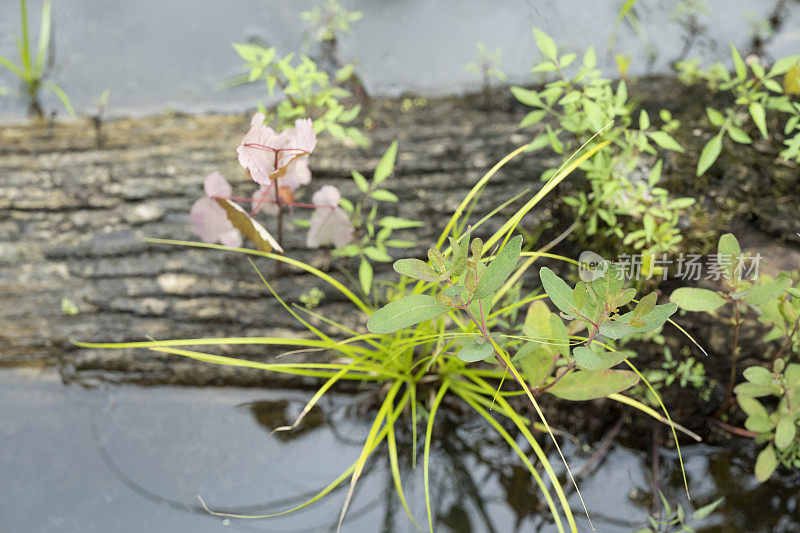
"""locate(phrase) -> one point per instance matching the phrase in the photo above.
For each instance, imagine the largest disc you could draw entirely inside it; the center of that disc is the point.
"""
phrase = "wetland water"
(154, 56)
(129, 458)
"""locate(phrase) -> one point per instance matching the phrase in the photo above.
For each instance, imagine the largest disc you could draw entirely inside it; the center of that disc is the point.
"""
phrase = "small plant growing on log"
(776, 303)
(308, 89)
(758, 95)
(31, 70)
(624, 199)
(487, 66)
(279, 164)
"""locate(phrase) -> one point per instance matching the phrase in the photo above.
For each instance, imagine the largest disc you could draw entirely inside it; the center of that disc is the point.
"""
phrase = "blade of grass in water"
(472, 401)
(368, 447)
(427, 451)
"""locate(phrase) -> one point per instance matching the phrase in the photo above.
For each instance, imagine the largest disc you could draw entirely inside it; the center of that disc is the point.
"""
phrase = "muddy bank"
(77, 201)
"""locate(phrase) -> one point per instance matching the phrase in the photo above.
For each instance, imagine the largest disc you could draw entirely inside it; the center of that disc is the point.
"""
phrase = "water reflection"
(131, 459)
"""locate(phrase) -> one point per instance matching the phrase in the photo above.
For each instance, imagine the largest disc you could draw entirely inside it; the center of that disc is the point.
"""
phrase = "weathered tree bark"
(75, 207)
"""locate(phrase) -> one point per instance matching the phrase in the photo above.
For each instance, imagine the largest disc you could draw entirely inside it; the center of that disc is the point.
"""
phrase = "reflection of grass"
(31, 71)
(415, 367)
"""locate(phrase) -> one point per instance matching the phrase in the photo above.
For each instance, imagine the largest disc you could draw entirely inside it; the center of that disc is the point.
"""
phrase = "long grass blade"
(475, 190)
(391, 443)
(521, 381)
(44, 41)
(282, 258)
(653, 413)
(427, 451)
(508, 228)
(470, 399)
(671, 424)
(61, 96)
(386, 406)
(12, 67)
(314, 399)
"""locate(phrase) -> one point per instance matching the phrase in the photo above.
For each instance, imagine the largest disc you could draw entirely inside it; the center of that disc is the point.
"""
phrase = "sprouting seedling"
(31, 69)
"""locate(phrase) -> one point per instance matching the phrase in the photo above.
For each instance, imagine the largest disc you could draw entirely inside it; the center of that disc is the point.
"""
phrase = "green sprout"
(31, 70)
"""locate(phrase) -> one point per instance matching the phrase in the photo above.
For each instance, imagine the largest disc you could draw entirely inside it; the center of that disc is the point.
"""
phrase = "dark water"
(129, 458)
(157, 55)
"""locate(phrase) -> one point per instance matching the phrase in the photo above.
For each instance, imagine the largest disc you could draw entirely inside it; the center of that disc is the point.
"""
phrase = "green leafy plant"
(487, 66)
(687, 372)
(757, 95)
(776, 304)
(307, 91)
(676, 519)
(329, 21)
(439, 321)
(31, 69)
(374, 233)
(624, 199)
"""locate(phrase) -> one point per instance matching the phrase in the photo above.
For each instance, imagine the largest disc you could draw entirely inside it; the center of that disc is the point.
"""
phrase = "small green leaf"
(527, 97)
(536, 363)
(416, 269)
(709, 154)
(361, 181)
(738, 63)
(645, 305)
(474, 349)
(586, 358)
(715, 117)
(785, 432)
(601, 359)
(751, 406)
(500, 268)
(399, 243)
(644, 120)
(583, 385)
(759, 117)
(385, 165)
(377, 254)
(766, 463)
(729, 251)
(665, 141)
(691, 299)
(460, 254)
(365, 275)
(707, 509)
(384, 196)
(545, 44)
(759, 423)
(766, 292)
(624, 325)
(558, 290)
(398, 223)
(758, 375)
(738, 135)
(405, 312)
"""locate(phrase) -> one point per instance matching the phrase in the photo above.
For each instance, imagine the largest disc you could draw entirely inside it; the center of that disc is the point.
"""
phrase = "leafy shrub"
(624, 199)
(776, 303)
(757, 94)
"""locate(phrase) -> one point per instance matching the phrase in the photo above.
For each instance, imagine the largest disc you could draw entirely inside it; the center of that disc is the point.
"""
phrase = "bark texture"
(76, 203)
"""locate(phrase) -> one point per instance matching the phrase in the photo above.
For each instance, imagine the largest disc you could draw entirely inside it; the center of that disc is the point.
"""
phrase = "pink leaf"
(268, 155)
(215, 184)
(327, 195)
(211, 223)
(329, 224)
